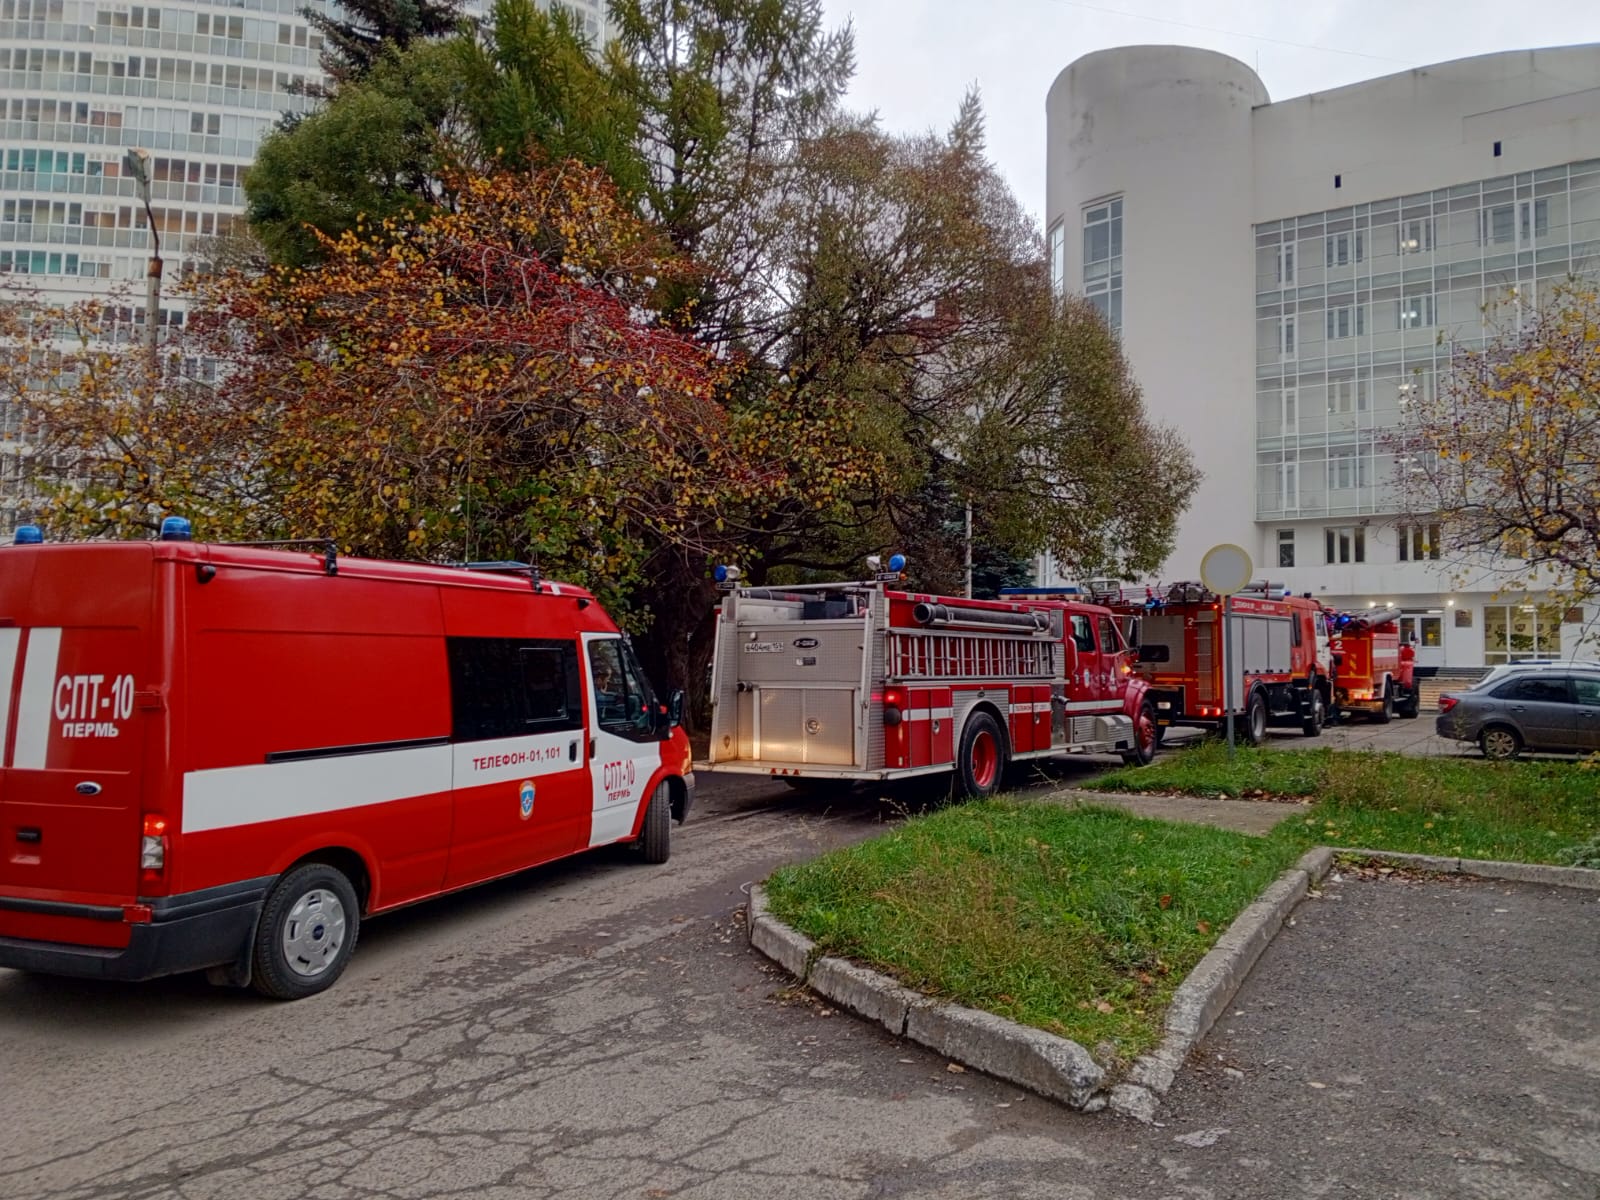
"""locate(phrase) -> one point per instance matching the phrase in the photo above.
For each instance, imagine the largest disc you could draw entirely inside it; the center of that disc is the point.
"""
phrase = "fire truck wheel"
(1318, 717)
(982, 761)
(1146, 737)
(307, 933)
(1409, 708)
(1386, 714)
(655, 839)
(1255, 719)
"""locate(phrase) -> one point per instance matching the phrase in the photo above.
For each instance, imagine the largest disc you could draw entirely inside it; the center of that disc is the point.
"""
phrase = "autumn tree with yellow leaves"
(1507, 451)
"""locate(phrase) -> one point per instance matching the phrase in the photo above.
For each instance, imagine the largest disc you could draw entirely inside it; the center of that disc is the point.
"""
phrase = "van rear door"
(74, 649)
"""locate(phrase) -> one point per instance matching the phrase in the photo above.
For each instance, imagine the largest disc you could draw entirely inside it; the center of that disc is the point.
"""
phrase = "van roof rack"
(329, 547)
(495, 567)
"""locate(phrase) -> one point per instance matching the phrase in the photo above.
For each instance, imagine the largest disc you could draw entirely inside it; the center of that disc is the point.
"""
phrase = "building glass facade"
(1356, 309)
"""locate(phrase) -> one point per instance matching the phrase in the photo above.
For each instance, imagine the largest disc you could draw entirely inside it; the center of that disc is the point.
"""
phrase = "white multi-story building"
(1286, 276)
(196, 84)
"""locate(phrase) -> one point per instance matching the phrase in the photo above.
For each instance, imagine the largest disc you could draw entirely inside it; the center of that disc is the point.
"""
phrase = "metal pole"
(137, 161)
(969, 549)
(1227, 670)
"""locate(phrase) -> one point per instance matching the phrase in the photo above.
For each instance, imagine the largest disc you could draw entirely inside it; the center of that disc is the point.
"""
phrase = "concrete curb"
(1482, 868)
(1052, 1066)
(1211, 986)
(1061, 1069)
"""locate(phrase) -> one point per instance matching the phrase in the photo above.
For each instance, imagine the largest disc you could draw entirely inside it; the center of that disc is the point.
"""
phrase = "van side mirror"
(675, 708)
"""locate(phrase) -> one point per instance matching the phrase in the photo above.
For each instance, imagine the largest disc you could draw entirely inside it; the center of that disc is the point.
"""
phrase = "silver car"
(1548, 707)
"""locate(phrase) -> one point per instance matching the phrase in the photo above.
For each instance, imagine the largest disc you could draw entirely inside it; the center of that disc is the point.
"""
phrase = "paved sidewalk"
(1245, 816)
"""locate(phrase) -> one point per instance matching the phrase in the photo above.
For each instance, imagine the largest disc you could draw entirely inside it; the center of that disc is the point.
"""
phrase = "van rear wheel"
(307, 933)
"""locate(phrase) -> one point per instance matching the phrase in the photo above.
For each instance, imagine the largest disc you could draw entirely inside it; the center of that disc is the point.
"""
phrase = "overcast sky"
(915, 58)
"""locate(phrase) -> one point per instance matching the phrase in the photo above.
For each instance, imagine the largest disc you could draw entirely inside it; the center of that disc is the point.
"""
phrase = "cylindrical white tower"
(1149, 207)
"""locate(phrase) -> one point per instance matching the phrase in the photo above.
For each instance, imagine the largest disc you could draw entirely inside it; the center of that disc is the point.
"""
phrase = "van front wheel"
(655, 839)
(307, 933)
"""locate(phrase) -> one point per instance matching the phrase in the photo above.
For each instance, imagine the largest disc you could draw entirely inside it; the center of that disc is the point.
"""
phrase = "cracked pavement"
(599, 1028)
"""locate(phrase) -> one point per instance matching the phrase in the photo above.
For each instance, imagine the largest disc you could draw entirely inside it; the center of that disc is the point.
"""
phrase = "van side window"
(622, 696)
(507, 687)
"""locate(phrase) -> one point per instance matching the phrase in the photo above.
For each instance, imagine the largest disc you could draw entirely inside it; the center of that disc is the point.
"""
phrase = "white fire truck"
(858, 681)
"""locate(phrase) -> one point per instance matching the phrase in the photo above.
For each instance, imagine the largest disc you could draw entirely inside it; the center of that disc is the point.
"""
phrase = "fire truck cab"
(227, 757)
(1279, 652)
(860, 681)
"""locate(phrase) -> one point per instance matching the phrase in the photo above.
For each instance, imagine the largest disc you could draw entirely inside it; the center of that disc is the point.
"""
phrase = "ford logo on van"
(804, 643)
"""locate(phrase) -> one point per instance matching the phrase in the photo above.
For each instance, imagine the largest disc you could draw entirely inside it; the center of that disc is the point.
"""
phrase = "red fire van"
(227, 757)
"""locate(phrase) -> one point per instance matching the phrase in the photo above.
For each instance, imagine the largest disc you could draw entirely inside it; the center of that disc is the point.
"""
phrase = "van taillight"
(153, 845)
(1446, 703)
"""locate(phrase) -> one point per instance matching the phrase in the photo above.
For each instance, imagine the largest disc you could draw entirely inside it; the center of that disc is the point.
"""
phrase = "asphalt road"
(600, 1029)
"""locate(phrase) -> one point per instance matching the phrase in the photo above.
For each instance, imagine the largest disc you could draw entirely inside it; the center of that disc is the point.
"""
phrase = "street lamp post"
(137, 161)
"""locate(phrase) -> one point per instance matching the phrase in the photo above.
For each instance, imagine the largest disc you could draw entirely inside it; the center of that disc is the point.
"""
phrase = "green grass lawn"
(1083, 921)
(1517, 811)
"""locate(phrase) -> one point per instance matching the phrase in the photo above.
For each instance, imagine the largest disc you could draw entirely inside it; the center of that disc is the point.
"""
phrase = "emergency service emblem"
(527, 798)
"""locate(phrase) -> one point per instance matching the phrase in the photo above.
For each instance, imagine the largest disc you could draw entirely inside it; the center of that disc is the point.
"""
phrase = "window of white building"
(1414, 237)
(1346, 248)
(1346, 544)
(1058, 258)
(1520, 223)
(1286, 265)
(1349, 320)
(1415, 312)
(1347, 395)
(1291, 411)
(1419, 543)
(1286, 337)
(1286, 547)
(1344, 469)
(1102, 259)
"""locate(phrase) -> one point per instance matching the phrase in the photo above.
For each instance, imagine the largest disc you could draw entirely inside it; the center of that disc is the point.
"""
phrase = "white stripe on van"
(225, 797)
(33, 705)
(228, 796)
(8, 672)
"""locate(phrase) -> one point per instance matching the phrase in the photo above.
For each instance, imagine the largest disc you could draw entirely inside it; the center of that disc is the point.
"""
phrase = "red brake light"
(1446, 703)
(153, 847)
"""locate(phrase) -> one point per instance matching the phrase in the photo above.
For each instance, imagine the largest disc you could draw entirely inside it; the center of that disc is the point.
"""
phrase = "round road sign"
(1226, 569)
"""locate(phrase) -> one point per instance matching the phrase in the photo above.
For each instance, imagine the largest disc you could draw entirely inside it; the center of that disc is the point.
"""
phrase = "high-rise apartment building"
(197, 85)
(1286, 277)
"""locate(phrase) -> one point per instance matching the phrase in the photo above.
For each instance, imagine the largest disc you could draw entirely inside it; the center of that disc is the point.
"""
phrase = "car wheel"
(306, 934)
(982, 761)
(1144, 738)
(1500, 742)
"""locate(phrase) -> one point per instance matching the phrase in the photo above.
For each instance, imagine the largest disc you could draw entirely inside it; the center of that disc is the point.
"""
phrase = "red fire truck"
(227, 757)
(1375, 672)
(858, 681)
(1279, 651)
